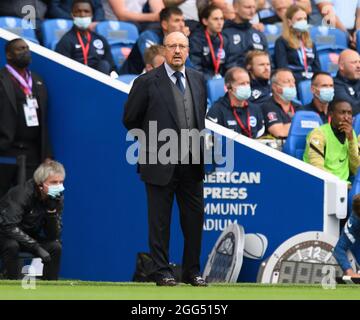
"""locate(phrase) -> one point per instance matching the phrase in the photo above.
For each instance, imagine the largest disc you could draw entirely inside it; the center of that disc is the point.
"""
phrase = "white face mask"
(82, 22)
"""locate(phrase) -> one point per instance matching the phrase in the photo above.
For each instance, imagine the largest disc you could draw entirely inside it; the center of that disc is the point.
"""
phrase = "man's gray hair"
(47, 169)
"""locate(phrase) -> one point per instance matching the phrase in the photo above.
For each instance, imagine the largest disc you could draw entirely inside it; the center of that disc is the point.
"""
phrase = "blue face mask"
(82, 22)
(301, 26)
(289, 94)
(243, 92)
(55, 190)
(326, 94)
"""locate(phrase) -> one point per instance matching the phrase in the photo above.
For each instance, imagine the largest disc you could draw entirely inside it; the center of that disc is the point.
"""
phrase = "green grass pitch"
(81, 290)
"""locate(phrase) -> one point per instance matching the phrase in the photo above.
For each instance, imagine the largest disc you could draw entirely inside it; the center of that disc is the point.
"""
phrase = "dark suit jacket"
(151, 99)
(8, 113)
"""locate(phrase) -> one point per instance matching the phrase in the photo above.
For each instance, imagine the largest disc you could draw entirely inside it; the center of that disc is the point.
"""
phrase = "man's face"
(321, 81)
(52, 180)
(280, 7)
(177, 50)
(245, 9)
(82, 9)
(241, 78)
(342, 113)
(215, 22)
(283, 79)
(175, 23)
(260, 68)
(350, 65)
(19, 54)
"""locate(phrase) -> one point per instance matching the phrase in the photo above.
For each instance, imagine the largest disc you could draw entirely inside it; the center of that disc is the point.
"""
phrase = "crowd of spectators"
(227, 40)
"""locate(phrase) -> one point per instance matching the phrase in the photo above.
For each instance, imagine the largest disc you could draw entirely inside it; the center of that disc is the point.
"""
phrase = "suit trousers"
(189, 196)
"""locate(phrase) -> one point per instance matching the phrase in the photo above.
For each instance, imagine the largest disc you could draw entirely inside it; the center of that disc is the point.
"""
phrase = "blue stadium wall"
(105, 218)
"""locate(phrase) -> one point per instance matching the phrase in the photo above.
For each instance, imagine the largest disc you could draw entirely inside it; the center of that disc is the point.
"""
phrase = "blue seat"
(329, 62)
(302, 123)
(305, 95)
(121, 37)
(23, 28)
(356, 124)
(118, 32)
(53, 30)
(127, 78)
(216, 89)
(329, 39)
(358, 41)
(272, 32)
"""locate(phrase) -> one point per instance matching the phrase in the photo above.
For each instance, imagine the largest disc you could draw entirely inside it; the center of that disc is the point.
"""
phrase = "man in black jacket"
(30, 221)
(23, 114)
(172, 98)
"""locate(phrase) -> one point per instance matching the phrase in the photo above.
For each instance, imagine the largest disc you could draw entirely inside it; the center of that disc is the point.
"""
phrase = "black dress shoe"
(196, 281)
(169, 282)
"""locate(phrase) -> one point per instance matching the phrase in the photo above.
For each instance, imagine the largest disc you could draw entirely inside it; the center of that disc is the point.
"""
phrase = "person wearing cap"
(234, 110)
(349, 236)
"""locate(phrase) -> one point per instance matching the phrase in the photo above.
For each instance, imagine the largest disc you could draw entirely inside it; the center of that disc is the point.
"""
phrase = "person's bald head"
(349, 64)
(177, 49)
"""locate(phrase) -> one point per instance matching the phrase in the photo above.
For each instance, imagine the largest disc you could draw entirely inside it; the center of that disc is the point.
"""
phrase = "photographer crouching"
(30, 221)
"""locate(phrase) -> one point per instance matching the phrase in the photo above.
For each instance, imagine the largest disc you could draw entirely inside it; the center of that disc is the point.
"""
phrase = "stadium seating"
(302, 123)
(127, 78)
(121, 36)
(329, 39)
(272, 32)
(356, 124)
(305, 95)
(53, 30)
(23, 28)
(329, 62)
(216, 89)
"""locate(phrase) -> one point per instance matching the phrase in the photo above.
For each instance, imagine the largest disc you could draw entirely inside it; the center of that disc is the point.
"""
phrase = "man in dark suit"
(23, 109)
(172, 99)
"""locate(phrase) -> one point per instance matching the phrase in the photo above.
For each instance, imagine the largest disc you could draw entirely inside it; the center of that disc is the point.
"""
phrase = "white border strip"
(69, 63)
(273, 153)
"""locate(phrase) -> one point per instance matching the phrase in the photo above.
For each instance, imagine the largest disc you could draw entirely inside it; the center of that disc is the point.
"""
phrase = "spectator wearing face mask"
(322, 88)
(30, 221)
(294, 49)
(23, 112)
(280, 108)
(83, 45)
(234, 110)
(61, 9)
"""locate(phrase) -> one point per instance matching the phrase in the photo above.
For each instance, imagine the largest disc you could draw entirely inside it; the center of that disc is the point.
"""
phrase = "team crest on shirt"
(256, 94)
(256, 38)
(351, 91)
(272, 116)
(221, 54)
(206, 51)
(253, 121)
(236, 39)
(98, 44)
